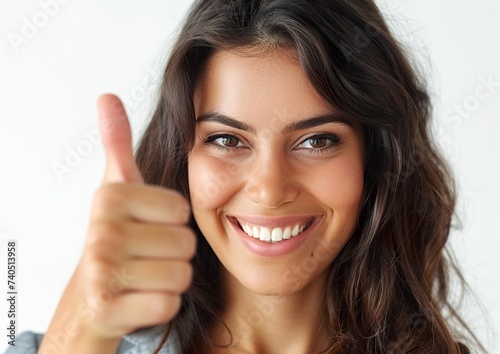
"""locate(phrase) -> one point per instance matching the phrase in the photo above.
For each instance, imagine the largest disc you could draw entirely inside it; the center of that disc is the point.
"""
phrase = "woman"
(291, 144)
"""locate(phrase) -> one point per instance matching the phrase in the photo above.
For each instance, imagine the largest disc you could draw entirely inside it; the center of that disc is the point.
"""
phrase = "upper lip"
(273, 221)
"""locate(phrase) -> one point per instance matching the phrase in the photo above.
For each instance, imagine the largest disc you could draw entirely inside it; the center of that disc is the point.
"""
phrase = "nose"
(271, 181)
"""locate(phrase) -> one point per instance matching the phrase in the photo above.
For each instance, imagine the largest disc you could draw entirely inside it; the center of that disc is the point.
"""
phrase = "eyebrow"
(310, 122)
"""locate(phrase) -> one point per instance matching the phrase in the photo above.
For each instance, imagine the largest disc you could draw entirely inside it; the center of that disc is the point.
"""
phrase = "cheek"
(211, 181)
(339, 185)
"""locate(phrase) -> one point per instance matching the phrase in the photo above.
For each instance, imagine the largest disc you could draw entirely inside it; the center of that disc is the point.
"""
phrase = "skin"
(275, 302)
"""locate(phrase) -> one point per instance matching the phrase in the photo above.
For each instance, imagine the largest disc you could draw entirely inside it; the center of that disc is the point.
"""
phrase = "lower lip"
(274, 249)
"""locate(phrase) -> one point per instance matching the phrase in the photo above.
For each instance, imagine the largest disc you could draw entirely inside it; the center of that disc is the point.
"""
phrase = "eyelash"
(210, 140)
(335, 141)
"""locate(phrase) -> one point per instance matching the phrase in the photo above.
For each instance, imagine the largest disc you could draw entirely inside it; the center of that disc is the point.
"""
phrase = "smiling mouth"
(275, 234)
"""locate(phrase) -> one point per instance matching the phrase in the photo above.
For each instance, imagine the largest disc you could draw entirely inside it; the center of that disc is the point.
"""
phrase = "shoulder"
(138, 342)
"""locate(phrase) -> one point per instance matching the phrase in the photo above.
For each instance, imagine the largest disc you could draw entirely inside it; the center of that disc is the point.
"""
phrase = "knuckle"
(169, 307)
(110, 197)
(190, 242)
(106, 315)
(178, 199)
(98, 272)
(106, 196)
(184, 276)
(105, 237)
(177, 196)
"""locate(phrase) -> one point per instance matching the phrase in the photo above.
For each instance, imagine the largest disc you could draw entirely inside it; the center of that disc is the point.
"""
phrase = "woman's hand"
(135, 264)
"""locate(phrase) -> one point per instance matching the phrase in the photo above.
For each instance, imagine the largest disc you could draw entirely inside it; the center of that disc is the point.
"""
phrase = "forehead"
(253, 86)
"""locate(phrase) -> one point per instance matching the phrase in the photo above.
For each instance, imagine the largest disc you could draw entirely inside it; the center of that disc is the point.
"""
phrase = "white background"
(49, 84)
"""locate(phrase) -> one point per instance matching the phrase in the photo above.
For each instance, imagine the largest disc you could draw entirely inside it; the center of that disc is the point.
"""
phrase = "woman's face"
(275, 177)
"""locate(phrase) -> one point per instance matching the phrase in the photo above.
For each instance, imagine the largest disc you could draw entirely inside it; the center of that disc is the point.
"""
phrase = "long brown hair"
(388, 288)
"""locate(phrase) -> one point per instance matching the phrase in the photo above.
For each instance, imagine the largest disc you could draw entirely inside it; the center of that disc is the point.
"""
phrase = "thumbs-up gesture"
(136, 261)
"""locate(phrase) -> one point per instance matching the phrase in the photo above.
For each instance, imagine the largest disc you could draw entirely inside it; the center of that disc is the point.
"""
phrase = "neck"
(291, 323)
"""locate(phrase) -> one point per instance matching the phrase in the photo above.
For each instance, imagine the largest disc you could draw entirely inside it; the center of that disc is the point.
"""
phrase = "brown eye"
(318, 143)
(224, 141)
(229, 141)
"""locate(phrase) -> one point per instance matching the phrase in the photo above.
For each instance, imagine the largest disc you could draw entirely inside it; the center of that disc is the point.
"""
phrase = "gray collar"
(145, 341)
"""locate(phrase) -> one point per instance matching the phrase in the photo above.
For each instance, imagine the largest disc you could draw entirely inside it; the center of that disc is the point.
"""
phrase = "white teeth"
(276, 235)
(265, 234)
(247, 229)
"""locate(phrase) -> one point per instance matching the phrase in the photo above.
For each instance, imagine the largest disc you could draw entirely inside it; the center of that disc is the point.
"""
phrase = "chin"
(276, 282)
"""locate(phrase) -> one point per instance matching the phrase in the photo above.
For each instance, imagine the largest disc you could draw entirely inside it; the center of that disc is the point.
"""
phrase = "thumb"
(117, 141)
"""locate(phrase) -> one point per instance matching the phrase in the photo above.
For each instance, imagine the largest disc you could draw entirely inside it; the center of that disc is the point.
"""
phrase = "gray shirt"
(143, 341)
